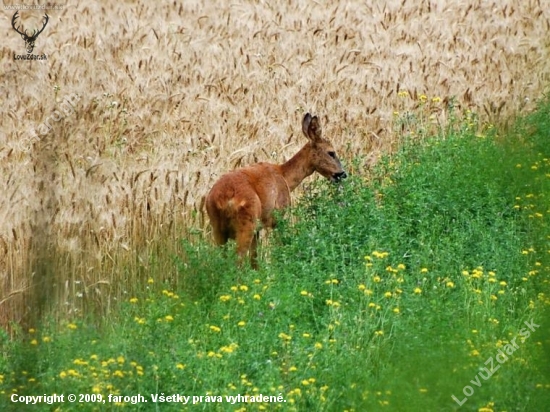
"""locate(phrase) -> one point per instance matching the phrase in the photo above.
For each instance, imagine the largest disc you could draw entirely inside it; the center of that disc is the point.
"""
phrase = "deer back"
(260, 189)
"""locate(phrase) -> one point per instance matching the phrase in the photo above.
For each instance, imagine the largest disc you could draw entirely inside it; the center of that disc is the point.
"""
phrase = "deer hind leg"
(246, 227)
(220, 234)
(254, 250)
(246, 241)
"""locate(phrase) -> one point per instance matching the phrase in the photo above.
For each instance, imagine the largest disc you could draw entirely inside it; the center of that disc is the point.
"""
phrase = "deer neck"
(297, 168)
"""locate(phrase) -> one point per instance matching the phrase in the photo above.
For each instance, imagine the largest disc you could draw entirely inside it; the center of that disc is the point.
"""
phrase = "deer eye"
(332, 154)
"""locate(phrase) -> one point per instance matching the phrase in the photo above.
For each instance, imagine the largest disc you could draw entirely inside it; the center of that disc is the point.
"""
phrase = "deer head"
(29, 39)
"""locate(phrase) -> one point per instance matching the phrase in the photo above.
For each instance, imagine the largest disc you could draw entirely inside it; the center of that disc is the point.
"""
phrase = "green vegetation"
(388, 292)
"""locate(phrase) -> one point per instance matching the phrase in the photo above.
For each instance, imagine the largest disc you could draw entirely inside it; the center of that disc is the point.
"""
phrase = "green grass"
(387, 292)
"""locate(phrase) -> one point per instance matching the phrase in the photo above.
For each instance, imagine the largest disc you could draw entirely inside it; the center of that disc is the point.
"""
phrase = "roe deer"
(243, 198)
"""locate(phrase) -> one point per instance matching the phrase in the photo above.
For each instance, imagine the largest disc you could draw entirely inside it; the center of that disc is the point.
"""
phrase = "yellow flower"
(150, 280)
(477, 274)
(46, 339)
(304, 293)
(450, 284)
(379, 333)
(241, 323)
(376, 279)
(169, 318)
(72, 326)
(229, 349)
(318, 345)
(284, 336)
(34, 342)
(244, 288)
(215, 329)
(417, 291)
(133, 300)
(424, 270)
(361, 287)
(388, 295)
(63, 374)
(396, 310)
(225, 298)
(256, 297)
(436, 99)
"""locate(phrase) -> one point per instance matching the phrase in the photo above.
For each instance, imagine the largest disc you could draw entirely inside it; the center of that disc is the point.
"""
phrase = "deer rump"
(243, 198)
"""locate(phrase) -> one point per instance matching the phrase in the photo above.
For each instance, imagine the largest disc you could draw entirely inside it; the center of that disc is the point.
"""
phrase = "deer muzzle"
(336, 177)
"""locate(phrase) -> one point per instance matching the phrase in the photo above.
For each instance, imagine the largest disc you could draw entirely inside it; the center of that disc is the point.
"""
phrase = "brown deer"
(243, 201)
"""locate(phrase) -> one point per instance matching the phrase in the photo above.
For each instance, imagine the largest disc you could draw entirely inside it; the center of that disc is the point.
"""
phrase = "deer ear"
(305, 125)
(314, 129)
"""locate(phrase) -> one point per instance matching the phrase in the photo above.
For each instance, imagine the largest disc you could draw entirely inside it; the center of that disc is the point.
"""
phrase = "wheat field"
(108, 147)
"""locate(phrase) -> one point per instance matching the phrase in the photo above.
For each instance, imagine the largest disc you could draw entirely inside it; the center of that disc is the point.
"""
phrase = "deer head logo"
(29, 39)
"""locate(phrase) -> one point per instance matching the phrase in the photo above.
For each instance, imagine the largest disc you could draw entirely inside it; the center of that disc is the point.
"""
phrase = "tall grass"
(387, 292)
